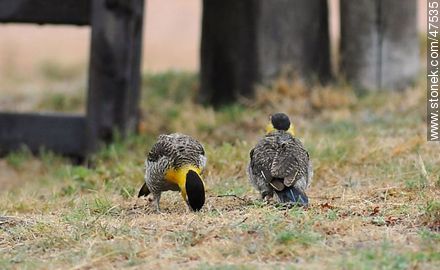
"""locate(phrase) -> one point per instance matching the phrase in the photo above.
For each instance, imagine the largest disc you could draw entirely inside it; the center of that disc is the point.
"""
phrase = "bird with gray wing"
(280, 164)
(175, 162)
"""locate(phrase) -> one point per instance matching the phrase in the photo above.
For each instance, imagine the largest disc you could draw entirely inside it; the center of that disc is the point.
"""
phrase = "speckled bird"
(279, 163)
(175, 162)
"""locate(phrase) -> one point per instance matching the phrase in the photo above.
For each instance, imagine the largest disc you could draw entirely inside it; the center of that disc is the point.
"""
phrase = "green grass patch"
(18, 158)
(365, 154)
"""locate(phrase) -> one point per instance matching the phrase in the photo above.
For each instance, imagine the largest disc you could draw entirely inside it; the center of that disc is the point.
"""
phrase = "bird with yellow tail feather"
(175, 162)
(280, 164)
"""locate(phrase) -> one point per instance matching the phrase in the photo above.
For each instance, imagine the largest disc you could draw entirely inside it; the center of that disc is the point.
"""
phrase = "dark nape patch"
(280, 121)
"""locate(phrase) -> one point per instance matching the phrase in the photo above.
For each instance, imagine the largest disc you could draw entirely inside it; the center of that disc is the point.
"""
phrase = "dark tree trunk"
(295, 35)
(379, 43)
(114, 68)
(250, 41)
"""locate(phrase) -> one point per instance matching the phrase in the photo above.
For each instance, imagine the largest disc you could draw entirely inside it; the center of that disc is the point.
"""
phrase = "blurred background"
(375, 194)
(45, 68)
(171, 42)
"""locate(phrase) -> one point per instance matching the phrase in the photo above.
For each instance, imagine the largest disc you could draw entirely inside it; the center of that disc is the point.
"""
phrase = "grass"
(374, 199)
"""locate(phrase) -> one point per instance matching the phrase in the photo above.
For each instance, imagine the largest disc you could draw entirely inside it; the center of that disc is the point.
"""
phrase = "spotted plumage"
(175, 162)
(280, 163)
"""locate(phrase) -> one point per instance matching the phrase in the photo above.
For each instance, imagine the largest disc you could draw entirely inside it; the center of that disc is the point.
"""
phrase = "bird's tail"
(293, 195)
(144, 191)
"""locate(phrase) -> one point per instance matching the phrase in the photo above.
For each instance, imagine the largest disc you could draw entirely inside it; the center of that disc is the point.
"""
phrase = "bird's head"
(195, 190)
(280, 121)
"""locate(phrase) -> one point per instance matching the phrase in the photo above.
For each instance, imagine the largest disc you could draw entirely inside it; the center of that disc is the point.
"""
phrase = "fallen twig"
(229, 195)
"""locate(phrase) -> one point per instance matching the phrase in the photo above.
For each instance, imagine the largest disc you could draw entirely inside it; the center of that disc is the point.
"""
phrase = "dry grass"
(374, 200)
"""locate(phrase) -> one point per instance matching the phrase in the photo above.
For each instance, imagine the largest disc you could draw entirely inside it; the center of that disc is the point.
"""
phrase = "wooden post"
(294, 34)
(75, 12)
(114, 76)
(250, 41)
(379, 43)
(54, 132)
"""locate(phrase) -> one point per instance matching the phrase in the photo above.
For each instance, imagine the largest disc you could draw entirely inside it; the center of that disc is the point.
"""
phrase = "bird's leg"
(268, 199)
(267, 196)
(156, 198)
(265, 189)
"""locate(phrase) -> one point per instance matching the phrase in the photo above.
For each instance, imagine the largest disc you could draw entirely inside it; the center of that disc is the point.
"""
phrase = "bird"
(175, 162)
(280, 164)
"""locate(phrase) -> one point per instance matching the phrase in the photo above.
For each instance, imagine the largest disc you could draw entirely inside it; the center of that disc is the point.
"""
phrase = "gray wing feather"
(280, 156)
(180, 149)
(171, 151)
(258, 180)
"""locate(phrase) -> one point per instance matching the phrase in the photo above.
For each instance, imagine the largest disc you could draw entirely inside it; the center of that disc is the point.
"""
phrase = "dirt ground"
(374, 199)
